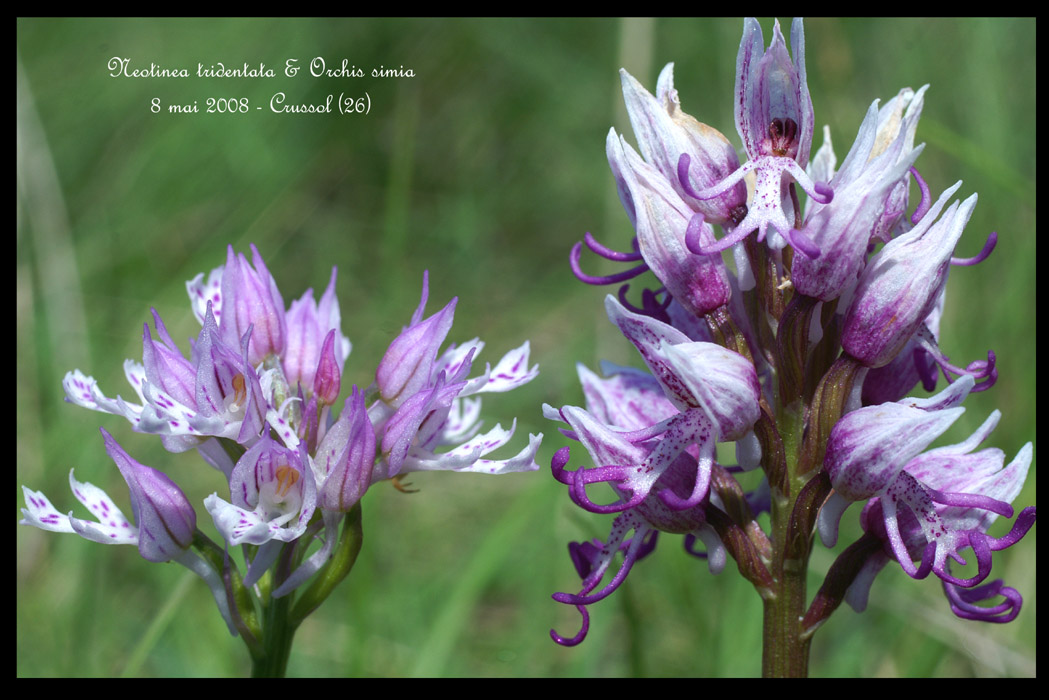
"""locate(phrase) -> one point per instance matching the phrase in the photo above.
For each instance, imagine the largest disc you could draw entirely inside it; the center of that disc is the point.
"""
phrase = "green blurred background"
(484, 168)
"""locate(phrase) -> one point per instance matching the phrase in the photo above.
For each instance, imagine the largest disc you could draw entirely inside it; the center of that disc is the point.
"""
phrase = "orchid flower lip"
(988, 248)
(636, 547)
(633, 272)
(926, 197)
(964, 602)
(608, 253)
(650, 306)
(692, 242)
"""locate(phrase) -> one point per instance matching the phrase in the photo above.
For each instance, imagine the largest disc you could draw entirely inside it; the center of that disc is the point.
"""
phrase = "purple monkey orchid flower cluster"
(802, 350)
(257, 397)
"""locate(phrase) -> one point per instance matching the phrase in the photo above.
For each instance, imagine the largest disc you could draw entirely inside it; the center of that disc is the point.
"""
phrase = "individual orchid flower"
(694, 374)
(248, 297)
(897, 120)
(774, 119)
(843, 228)
(228, 388)
(981, 478)
(328, 377)
(902, 283)
(216, 395)
(715, 392)
(931, 505)
(664, 132)
(423, 403)
(644, 518)
(869, 447)
(698, 282)
(968, 490)
(164, 520)
(342, 471)
(273, 495)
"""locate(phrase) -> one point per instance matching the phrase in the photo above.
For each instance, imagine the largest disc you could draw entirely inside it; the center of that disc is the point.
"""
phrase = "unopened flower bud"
(407, 364)
(165, 519)
(346, 456)
(250, 299)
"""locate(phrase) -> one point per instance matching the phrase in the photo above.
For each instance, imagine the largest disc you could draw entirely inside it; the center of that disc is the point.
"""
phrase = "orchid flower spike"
(774, 119)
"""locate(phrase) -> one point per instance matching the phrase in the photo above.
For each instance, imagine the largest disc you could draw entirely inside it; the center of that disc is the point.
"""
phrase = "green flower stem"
(784, 652)
(337, 568)
(282, 616)
(241, 600)
(277, 638)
